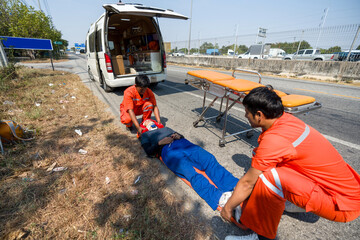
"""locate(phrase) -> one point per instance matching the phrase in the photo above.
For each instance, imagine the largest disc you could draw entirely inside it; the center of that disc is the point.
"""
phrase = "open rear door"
(138, 9)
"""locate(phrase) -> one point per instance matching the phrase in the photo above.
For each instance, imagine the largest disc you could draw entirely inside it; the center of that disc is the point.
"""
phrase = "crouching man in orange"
(293, 163)
(138, 100)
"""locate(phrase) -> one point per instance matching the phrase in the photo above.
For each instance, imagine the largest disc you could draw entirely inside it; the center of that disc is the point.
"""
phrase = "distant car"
(178, 54)
(82, 50)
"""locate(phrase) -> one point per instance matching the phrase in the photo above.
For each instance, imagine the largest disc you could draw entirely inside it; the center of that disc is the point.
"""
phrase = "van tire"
(90, 75)
(104, 85)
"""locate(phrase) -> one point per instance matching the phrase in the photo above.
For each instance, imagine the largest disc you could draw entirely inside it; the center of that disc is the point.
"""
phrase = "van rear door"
(143, 11)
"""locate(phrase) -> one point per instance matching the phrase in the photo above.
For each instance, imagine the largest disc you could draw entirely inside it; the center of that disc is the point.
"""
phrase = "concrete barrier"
(331, 69)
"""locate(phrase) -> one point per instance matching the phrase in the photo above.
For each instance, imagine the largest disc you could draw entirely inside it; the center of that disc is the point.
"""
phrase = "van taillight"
(108, 63)
(164, 59)
(332, 57)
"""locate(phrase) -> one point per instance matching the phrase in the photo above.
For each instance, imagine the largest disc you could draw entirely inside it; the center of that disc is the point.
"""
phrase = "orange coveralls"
(301, 166)
(141, 105)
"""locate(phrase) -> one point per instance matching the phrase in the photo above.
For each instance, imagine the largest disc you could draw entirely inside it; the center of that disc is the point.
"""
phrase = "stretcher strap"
(302, 136)
(278, 188)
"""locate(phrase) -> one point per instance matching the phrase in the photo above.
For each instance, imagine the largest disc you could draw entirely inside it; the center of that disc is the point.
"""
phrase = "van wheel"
(90, 75)
(107, 88)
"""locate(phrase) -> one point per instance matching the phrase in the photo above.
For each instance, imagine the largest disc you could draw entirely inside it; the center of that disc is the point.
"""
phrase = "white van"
(125, 42)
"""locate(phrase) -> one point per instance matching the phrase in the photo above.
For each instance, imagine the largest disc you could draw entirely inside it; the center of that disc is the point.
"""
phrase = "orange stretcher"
(224, 86)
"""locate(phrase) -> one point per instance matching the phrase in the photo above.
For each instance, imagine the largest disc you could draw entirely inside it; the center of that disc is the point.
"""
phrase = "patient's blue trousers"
(181, 156)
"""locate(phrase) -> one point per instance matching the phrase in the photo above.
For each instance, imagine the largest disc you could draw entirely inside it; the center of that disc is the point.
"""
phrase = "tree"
(241, 49)
(205, 46)
(358, 48)
(18, 20)
(330, 50)
(291, 47)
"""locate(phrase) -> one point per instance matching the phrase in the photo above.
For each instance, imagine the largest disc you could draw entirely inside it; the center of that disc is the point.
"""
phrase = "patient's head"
(149, 124)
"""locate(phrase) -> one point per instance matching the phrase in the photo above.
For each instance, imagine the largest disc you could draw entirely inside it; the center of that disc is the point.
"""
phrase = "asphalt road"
(337, 120)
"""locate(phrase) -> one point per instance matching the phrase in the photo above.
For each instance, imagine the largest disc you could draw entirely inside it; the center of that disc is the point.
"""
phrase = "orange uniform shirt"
(290, 142)
(133, 100)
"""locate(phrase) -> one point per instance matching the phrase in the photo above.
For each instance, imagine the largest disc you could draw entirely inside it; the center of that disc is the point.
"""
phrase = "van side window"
(92, 42)
(98, 41)
(309, 52)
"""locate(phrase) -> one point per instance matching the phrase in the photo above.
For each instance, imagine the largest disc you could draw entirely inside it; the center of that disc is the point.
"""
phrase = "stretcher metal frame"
(212, 87)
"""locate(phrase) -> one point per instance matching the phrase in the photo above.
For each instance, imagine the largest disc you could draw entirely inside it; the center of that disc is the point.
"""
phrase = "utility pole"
(352, 45)
(190, 26)
(235, 39)
(321, 26)
(302, 34)
(39, 5)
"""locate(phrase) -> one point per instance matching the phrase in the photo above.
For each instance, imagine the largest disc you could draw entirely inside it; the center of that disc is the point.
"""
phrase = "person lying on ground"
(181, 156)
(293, 163)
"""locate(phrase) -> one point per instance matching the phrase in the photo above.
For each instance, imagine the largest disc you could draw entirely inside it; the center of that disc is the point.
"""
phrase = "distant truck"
(230, 52)
(212, 51)
(276, 53)
(257, 51)
(308, 54)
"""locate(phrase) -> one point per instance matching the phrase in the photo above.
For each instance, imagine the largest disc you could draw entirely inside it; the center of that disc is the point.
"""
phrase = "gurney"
(233, 91)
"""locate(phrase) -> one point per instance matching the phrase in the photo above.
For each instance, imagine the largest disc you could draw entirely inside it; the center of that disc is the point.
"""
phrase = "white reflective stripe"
(253, 153)
(271, 186)
(146, 98)
(276, 178)
(135, 99)
(147, 110)
(148, 106)
(302, 137)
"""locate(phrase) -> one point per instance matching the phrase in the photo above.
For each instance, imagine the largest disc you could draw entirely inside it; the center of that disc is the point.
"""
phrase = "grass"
(78, 203)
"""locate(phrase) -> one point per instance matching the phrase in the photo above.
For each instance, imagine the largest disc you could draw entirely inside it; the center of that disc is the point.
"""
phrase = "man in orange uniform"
(138, 100)
(293, 163)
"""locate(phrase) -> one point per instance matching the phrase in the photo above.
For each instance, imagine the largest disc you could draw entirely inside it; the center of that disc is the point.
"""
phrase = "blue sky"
(210, 18)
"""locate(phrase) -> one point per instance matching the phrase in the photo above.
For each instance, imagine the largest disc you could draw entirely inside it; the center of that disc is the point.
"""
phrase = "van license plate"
(153, 79)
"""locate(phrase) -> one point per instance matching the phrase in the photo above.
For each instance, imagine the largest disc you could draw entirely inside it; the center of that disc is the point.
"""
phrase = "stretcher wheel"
(222, 143)
(218, 118)
(195, 123)
(250, 134)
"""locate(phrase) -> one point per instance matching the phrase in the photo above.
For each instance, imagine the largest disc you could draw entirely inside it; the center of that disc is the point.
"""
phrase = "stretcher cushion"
(293, 100)
(239, 85)
(210, 75)
(280, 93)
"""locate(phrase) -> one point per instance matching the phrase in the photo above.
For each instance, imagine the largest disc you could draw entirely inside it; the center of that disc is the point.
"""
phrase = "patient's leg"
(203, 160)
(175, 157)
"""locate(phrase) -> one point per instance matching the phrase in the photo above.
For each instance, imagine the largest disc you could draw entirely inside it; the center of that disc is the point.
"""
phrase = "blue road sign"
(82, 45)
(77, 45)
(26, 43)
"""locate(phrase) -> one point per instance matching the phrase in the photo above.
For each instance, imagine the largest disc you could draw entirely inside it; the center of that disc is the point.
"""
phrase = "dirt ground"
(82, 177)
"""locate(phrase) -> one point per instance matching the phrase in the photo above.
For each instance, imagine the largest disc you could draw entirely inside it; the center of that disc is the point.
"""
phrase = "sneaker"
(252, 236)
(292, 208)
(224, 198)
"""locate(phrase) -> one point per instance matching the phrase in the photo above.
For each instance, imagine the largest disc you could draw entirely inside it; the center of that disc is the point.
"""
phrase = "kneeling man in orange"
(138, 100)
(293, 163)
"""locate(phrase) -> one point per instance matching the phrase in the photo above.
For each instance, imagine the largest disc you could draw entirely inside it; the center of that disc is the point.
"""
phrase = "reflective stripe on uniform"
(146, 98)
(302, 137)
(135, 99)
(148, 106)
(278, 188)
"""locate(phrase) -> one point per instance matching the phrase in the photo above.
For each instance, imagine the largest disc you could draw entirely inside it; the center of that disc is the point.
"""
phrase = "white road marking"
(333, 139)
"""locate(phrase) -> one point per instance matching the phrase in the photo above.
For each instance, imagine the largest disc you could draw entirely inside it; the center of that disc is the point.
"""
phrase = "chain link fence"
(334, 38)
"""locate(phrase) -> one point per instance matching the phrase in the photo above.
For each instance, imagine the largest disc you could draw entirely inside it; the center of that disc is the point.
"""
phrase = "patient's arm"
(165, 141)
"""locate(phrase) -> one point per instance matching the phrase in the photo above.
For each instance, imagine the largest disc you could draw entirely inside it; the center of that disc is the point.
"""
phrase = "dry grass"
(78, 203)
